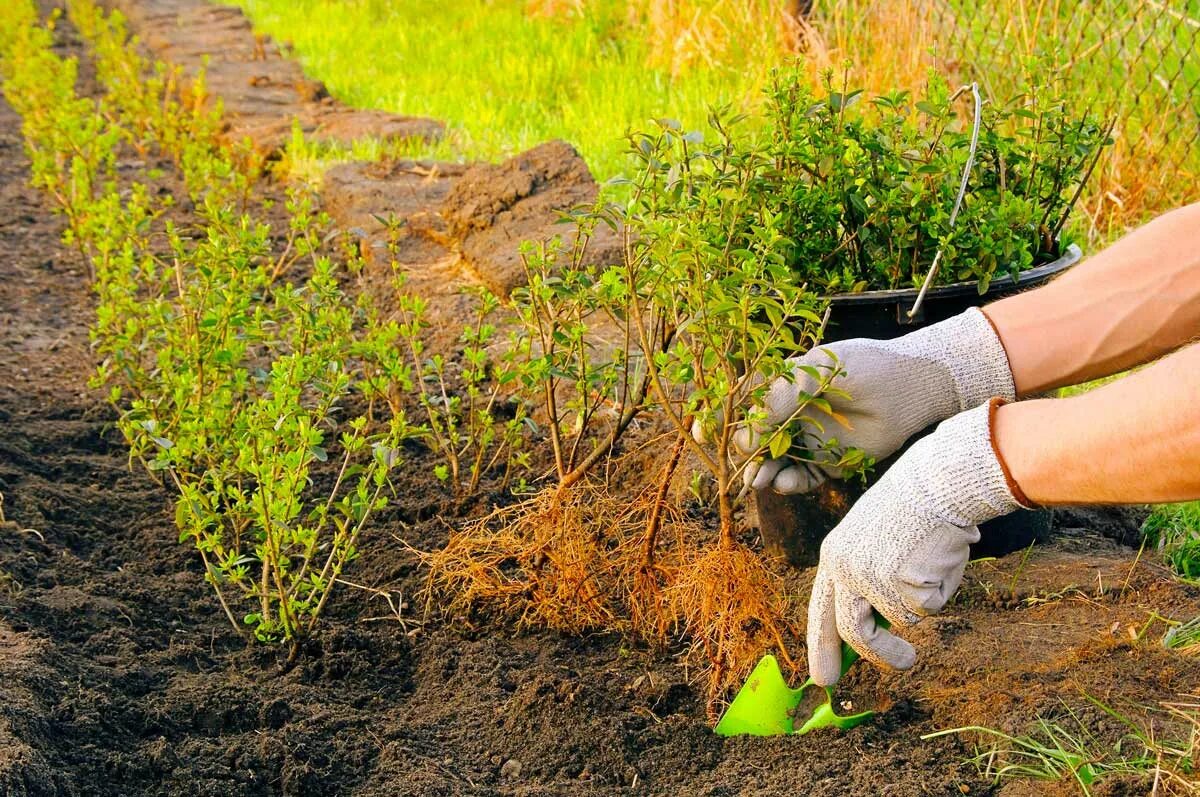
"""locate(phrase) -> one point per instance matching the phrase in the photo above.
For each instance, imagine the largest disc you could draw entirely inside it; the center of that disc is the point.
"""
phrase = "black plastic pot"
(793, 526)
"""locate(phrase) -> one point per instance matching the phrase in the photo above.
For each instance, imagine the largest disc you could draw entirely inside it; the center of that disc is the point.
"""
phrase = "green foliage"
(70, 140)
(231, 383)
(249, 438)
(1175, 531)
(701, 313)
(866, 189)
(590, 391)
(159, 110)
(472, 421)
(712, 293)
(463, 400)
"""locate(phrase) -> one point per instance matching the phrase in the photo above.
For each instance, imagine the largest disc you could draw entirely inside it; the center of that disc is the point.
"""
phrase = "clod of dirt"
(362, 196)
(336, 123)
(511, 770)
(493, 208)
(364, 199)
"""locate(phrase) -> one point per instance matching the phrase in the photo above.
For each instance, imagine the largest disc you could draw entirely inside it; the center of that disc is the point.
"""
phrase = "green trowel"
(767, 706)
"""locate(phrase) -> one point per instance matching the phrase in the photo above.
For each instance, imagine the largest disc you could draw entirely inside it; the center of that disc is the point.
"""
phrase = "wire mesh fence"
(1132, 62)
(1135, 60)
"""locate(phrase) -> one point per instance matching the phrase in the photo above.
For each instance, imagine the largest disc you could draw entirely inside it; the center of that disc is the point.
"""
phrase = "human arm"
(1136, 440)
(902, 549)
(1129, 304)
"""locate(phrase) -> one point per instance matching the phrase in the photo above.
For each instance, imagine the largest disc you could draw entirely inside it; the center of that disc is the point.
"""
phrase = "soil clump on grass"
(119, 675)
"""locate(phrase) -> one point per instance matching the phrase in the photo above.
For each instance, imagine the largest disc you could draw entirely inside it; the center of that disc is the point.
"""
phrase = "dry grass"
(684, 34)
(554, 8)
(1157, 753)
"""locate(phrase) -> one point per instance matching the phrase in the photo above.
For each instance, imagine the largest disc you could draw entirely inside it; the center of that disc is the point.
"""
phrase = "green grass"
(1157, 746)
(1175, 530)
(503, 80)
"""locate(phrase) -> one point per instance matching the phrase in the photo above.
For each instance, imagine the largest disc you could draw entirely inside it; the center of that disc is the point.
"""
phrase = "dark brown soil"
(118, 675)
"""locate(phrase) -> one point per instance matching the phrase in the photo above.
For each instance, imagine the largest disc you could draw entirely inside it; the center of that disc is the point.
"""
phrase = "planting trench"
(119, 676)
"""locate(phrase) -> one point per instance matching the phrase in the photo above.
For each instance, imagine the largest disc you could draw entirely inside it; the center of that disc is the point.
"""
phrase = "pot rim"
(1070, 256)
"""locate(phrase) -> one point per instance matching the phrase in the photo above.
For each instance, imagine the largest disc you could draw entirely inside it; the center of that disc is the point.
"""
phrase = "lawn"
(504, 78)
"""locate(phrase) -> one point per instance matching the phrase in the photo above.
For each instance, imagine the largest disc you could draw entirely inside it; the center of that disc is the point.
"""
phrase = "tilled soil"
(119, 676)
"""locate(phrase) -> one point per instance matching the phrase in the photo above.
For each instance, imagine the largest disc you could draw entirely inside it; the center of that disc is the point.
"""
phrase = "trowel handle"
(850, 655)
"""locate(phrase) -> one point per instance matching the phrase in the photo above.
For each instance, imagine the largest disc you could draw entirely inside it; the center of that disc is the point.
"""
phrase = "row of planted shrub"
(273, 392)
(227, 361)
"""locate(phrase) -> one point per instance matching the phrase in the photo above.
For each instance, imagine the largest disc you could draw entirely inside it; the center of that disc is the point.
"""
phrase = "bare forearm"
(1131, 303)
(1136, 440)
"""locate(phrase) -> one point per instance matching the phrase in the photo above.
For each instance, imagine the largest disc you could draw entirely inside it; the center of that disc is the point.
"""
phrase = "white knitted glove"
(894, 389)
(903, 547)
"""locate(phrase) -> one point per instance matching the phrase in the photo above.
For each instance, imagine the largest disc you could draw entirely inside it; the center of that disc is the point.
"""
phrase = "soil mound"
(492, 208)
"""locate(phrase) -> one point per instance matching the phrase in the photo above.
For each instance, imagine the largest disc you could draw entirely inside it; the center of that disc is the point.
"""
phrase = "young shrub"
(69, 139)
(865, 189)
(162, 111)
(234, 388)
(256, 518)
(230, 384)
(463, 400)
(549, 560)
(473, 422)
(590, 388)
(688, 330)
(710, 263)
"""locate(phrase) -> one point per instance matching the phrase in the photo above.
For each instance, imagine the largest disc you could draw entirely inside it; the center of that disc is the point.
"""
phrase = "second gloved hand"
(894, 389)
(903, 547)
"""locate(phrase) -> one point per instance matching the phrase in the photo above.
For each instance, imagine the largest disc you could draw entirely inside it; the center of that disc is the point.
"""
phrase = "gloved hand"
(894, 389)
(903, 546)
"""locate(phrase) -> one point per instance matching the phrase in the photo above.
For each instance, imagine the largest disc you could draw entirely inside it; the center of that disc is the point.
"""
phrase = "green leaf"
(781, 441)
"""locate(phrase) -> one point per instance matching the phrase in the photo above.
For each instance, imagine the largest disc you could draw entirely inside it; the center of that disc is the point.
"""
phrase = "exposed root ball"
(651, 615)
(651, 565)
(579, 560)
(734, 609)
(551, 561)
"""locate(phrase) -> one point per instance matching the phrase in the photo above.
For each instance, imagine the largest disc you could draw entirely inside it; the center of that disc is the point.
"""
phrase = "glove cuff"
(969, 347)
(962, 479)
(1017, 493)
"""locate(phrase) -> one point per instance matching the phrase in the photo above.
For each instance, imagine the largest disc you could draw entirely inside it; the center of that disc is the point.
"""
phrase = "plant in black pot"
(904, 212)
